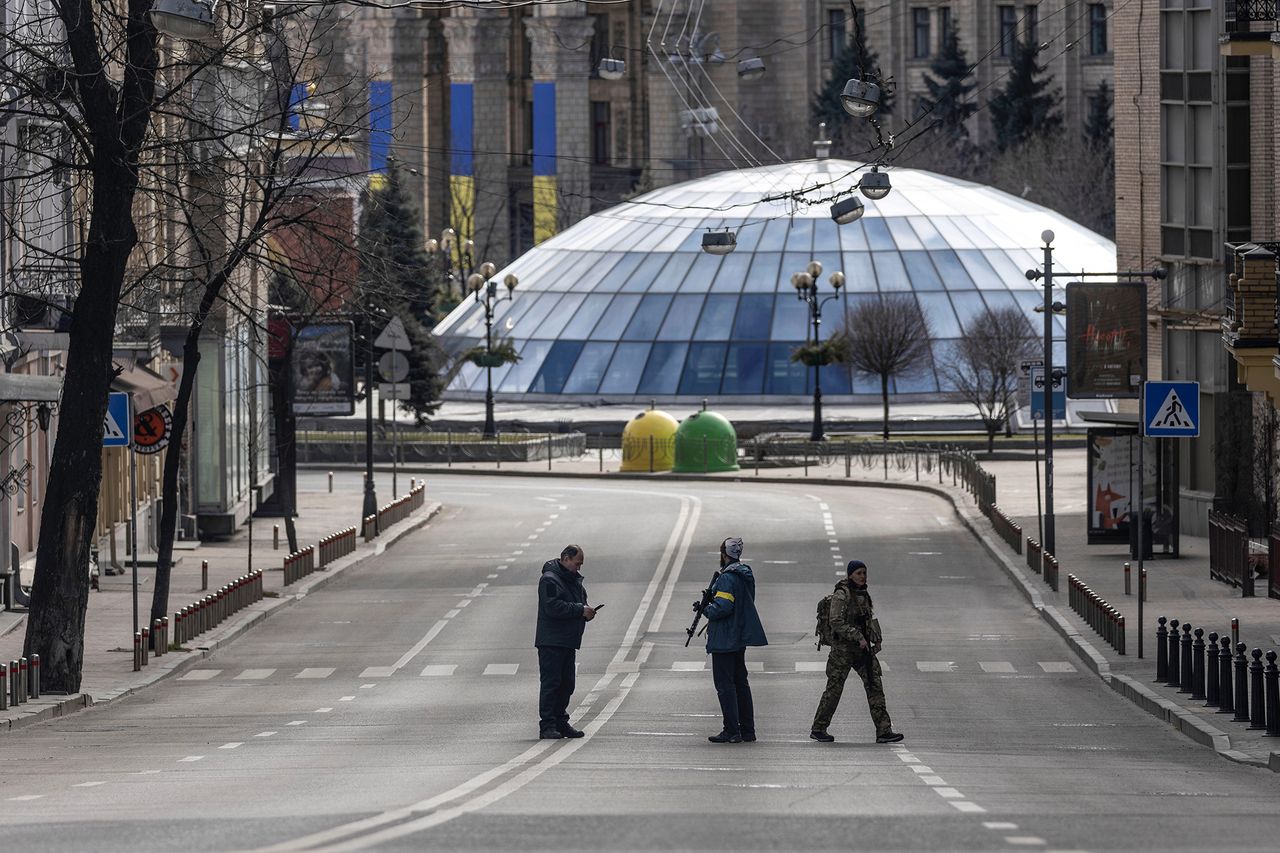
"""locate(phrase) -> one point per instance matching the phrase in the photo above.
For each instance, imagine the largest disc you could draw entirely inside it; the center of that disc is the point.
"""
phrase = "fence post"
(1127, 590)
(848, 459)
(548, 451)
(600, 447)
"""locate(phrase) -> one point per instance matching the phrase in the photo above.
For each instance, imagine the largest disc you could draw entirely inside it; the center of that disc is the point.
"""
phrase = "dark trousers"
(556, 675)
(729, 671)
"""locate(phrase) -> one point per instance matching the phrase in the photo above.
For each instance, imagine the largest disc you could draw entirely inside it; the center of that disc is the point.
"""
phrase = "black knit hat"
(853, 566)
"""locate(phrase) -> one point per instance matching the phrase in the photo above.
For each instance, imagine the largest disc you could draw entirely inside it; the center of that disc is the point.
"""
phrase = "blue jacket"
(561, 597)
(733, 623)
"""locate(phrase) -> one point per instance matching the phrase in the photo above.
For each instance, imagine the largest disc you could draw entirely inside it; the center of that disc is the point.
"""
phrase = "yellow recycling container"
(648, 441)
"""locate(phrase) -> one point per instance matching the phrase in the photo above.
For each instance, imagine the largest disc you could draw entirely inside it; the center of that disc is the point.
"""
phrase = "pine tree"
(949, 82)
(1026, 107)
(395, 276)
(1099, 131)
(856, 60)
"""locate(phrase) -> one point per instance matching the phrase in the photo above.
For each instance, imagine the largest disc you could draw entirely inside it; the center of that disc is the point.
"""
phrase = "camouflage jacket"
(850, 614)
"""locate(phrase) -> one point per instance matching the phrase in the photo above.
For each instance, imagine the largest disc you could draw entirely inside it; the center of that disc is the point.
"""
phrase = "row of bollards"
(210, 610)
(1128, 582)
(19, 681)
(1106, 620)
(1042, 563)
(337, 545)
(299, 564)
(1232, 683)
(1008, 529)
(396, 511)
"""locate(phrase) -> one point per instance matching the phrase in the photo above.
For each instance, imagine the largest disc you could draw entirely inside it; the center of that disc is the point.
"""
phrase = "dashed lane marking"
(949, 793)
(191, 758)
(996, 666)
(200, 675)
(936, 665)
(265, 734)
(932, 780)
(25, 798)
(346, 698)
(689, 666)
(436, 669)
(297, 722)
(323, 710)
(235, 744)
(810, 666)
(501, 669)
(1056, 666)
(315, 672)
(378, 672)
(255, 674)
(1024, 840)
(89, 784)
(966, 806)
(452, 613)
(998, 824)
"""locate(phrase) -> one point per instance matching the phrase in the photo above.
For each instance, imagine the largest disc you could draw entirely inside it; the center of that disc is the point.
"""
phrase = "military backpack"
(823, 629)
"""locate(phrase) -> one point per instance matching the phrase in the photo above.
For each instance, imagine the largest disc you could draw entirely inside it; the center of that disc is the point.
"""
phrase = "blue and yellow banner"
(462, 180)
(545, 201)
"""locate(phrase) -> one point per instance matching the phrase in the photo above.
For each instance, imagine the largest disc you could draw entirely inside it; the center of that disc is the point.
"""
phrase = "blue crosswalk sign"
(1171, 409)
(117, 424)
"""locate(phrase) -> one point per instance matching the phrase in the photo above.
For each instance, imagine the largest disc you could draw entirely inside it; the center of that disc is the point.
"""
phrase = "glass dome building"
(625, 307)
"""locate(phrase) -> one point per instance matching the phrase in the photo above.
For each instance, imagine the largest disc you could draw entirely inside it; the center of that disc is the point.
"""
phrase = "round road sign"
(151, 430)
(393, 366)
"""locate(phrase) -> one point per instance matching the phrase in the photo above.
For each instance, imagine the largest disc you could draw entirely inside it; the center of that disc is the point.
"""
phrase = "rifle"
(699, 606)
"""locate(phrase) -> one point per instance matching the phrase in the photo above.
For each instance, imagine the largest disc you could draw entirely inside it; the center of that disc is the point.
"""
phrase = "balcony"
(1242, 38)
(1249, 327)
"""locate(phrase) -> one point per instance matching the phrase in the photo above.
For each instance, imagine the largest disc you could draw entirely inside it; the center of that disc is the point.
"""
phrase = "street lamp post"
(806, 285)
(370, 495)
(486, 293)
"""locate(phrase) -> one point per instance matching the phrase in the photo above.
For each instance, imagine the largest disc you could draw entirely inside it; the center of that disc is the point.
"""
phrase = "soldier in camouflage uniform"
(851, 622)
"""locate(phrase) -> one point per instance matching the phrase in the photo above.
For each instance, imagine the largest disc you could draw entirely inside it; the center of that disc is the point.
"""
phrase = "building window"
(920, 32)
(1097, 29)
(838, 30)
(944, 25)
(599, 42)
(601, 133)
(1008, 29)
(1031, 24)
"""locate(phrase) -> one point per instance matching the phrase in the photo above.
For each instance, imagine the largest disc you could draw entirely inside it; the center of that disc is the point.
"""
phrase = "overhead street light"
(719, 242)
(847, 210)
(185, 19)
(751, 69)
(875, 184)
(860, 98)
(611, 69)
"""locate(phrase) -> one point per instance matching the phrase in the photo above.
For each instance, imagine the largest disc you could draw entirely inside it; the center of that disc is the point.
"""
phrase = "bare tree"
(888, 337)
(984, 365)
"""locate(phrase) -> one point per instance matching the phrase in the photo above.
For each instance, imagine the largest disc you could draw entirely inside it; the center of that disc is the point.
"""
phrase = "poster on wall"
(1106, 339)
(323, 370)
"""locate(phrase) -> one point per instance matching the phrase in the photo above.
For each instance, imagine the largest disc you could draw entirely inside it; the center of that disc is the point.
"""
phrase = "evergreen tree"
(949, 82)
(395, 276)
(1026, 107)
(855, 60)
(1099, 131)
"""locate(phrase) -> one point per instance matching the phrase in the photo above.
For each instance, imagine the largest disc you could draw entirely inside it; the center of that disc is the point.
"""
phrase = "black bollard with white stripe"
(1257, 696)
(1211, 672)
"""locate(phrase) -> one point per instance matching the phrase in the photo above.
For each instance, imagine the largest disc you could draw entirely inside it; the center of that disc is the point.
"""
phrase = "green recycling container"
(706, 443)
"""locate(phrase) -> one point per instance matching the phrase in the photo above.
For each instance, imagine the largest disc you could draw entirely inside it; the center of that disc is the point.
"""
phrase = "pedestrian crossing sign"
(117, 425)
(1171, 410)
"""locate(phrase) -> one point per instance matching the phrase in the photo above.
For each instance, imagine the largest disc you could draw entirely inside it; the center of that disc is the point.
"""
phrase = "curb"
(232, 631)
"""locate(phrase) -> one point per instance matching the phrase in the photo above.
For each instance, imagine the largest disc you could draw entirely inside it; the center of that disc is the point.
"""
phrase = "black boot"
(725, 737)
(567, 730)
(888, 737)
(550, 733)
(820, 735)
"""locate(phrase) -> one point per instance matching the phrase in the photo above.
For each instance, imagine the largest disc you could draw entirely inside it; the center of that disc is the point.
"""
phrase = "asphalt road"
(397, 708)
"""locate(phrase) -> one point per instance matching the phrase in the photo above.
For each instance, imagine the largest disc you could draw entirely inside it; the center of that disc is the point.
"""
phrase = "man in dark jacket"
(732, 625)
(563, 613)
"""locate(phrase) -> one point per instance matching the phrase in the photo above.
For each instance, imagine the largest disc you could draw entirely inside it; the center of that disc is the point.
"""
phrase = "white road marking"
(346, 698)
(378, 672)
(833, 540)
(672, 561)
(491, 576)
(949, 793)
(200, 675)
(465, 602)
(191, 758)
(255, 674)
(826, 510)
(996, 666)
(297, 722)
(501, 669)
(925, 553)
(811, 666)
(25, 798)
(367, 686)
(89, 784)
(936, 665)
(516, 553)
(323, 710)
(1024, 840)
(1056, 666)
(503, 568)
(235, 744)
(999, 824)
(435, 669)
(689, 666)
(921, 769)
(554, 515)
(452, 613)
(755, 666)
(908, 758)
(264, 734)
(932, 780)
(316, 672)
(966, 806)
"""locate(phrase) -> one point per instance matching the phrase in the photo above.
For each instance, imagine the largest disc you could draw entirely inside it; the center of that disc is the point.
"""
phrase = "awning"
(149, 388)
(22, 388)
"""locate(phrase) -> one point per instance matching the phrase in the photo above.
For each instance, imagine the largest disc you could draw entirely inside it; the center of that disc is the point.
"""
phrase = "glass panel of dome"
(580, 326)
(979, 238)
(717, 318)
(499, 373)
(662, 373)
(624, 369)
(997, 299)
(904, 236)
(556, 320)
(979, 270)
(790, 319)
(859, 272)
(853, 237)
(954, 275)
(681, 319)
(648, 318)
(896, 203)
(693, 241)
(826, 235)
(942, 317)
(1009, 273)
(800, 235)
(663, 233)
(556, 368)
(744, 369)
(733, 273)
(878, 236)
(775, 234)
(703, 369)
(514, 309)
(782, 375)
(527, 325)
(755, 314)
(642, 279)
(865, 384)
(466, 375)
(618, 276)
(951, 233)
(765, 271)
(522, 372)
(566, 276)
(673, 272)
(792, 262)
(920, 271)
(968, 305)
(460, 318)
(890, 271)
(590, 369)
(750, 230)
(927, 233)
(944, 352)
(701, 274)
(835, 379)
(616, 317)
(921, 382)
(591, 277)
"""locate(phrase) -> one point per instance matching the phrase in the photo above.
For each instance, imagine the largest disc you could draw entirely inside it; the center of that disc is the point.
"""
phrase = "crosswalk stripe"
(689, 666)
(501, 669)
(811, 666)
(378, 672)
(200, 674)
(1056, 666)
(255, 674)
(996, 666)
(755, 666)
(315, 672)
(439, 669)
(936, 665)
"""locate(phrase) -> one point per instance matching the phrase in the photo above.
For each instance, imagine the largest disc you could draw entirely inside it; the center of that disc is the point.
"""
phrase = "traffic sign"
(393, 337)
(1037, 395)
(1171, 409)
(393, 367)
(117, 426)
(151, 430)
(395, 390)
(1029, 364)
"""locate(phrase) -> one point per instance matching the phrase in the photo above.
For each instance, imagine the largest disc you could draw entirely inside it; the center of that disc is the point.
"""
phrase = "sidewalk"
(1176, 588)
(108, 642)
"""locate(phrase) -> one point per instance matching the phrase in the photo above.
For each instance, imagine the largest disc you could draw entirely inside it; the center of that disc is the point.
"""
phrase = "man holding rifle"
(729, 604)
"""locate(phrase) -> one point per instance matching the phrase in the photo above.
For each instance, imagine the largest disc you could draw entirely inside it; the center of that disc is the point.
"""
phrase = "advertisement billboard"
(323, 370)
(1106, 339)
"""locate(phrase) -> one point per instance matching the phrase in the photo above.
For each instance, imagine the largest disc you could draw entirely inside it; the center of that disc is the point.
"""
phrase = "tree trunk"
(884, 397)
(60, 589)
(991, 438)
(286, 444)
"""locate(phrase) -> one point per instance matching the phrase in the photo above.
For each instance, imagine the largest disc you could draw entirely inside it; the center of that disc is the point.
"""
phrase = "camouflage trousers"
(839, 662)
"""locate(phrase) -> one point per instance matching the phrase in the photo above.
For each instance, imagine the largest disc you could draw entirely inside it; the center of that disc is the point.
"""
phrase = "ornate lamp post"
(486, 293)
(445, 247)
(806, 285)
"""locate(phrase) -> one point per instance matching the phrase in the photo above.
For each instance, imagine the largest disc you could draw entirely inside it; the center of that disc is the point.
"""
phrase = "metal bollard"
(137, 651)
(4, 686)
(1185, 666)
(330, 482)
(1226, 696)
(204, 575)
(1242, 685)
(1142, 585)
(1271, 676)
(1120, 635)
(11, 683)
(1162, 651)
(275, 537)
(1126, 580)
(33, 677)
(1257, 699)
(1211, 682)
(1173, 680)
(1235, 631)
(146, 642)
(22, 679)
(1197, 665)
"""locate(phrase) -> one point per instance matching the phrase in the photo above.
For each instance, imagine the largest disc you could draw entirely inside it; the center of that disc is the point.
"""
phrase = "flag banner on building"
(323, 378)
(1106, 339)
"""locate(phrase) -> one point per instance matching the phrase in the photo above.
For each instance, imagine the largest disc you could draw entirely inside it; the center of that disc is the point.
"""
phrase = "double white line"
(476, 793)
